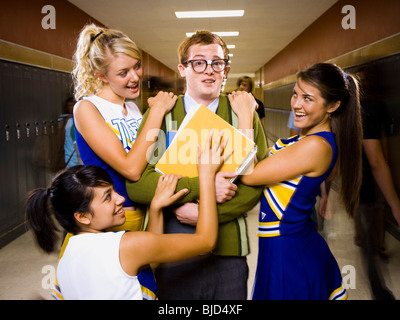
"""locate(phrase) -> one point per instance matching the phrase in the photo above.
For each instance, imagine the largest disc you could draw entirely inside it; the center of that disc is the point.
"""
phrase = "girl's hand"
(211, 159)
(163, 101)
(165, 194)
(242, 103)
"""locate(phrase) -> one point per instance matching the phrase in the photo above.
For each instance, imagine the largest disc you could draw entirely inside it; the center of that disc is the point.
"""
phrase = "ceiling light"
(231, 46)
(228, 34)
(221, 34)
(209, 14)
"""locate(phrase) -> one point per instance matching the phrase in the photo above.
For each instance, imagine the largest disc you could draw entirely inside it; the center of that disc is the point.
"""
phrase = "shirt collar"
(189, 103)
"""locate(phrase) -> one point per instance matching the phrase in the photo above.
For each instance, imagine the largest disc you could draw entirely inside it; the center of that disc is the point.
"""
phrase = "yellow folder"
(181, 154)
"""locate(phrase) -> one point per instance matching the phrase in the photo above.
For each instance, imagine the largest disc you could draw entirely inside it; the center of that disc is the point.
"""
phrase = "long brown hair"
(336, 85)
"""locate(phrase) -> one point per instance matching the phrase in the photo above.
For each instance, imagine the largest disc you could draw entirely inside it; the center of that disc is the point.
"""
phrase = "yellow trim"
(341, 288)
(64, 245)
(56, 293)
(148, 292)
(273, 206)
(268, 235)
(274, 223)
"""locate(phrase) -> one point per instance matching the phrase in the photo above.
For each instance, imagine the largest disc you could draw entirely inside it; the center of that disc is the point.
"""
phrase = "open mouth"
(133, 87)
(209, 81)
(299, 115)
(120, 212)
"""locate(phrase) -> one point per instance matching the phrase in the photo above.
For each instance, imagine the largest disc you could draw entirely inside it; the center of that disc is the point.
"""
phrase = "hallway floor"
(28, 273)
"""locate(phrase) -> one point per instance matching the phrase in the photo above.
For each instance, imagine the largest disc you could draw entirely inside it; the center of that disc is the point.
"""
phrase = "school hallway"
(27, 273)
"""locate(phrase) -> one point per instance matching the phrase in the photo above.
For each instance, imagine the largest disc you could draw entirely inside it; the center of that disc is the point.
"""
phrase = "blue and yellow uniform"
(294, 261)
(125, 127)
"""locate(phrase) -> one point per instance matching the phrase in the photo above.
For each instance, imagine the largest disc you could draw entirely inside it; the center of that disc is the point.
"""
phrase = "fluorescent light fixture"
(221, 34)
(231, 46)
(209, 14)
(230, 55)
(228, 34)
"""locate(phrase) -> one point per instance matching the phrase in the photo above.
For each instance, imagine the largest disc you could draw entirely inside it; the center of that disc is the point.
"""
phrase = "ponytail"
(348, 128)
(39, 216)
(95, 47)
(336, 85)
(85, 81)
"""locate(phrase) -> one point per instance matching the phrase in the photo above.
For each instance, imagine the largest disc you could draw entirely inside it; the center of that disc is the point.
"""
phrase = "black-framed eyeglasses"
(200, 65)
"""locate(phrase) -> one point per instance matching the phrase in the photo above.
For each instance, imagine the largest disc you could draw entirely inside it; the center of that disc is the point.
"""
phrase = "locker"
(31, 100)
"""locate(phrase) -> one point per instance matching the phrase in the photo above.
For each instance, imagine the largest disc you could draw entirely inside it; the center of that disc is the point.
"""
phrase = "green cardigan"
(232, 236)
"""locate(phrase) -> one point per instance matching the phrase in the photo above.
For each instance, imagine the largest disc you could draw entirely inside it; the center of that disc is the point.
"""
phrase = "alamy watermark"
(185, 151)
(49, 20)
(348, 277)
(349, 20)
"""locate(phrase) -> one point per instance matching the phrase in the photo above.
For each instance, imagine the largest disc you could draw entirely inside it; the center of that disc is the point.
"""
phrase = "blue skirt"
(297, 267)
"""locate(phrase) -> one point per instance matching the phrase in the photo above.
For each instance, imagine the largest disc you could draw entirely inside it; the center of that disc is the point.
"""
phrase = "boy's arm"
(142, 191)
(245, 199)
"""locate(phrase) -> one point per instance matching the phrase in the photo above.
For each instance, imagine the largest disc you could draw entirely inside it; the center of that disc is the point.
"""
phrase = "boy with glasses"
(223, 273)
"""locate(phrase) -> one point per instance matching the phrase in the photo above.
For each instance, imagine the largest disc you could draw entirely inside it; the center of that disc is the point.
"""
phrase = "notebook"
(181, 154)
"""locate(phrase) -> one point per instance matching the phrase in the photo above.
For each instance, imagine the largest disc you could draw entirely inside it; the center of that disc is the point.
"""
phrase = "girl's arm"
(244, 105)
(107, 146)
(309, 156)
(141, 248)
(163, 196)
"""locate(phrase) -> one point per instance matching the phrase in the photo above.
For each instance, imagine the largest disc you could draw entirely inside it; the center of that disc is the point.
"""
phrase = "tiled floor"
(339, 234)
(27, 273)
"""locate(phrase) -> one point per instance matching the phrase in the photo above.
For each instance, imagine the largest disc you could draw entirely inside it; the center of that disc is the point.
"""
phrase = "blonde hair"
(95, 50)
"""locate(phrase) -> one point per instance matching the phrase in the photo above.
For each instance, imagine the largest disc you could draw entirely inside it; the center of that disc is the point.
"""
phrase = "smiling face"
(203, 87)
(106, 211)
(123, 77)
(311, 112)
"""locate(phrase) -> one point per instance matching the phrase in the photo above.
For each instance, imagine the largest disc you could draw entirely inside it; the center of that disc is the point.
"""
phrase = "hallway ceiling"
(265, 29)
